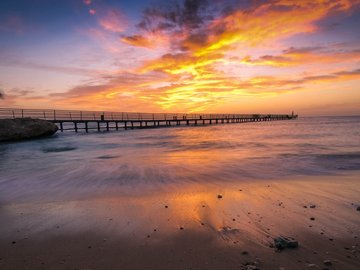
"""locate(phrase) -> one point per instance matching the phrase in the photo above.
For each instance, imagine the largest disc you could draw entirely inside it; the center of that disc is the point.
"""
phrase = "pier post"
(116, 125)
(107, 125)
(125, 125)
(61, 127)
(76, 128)
(98, 125)
(86, 127)
(132, 124)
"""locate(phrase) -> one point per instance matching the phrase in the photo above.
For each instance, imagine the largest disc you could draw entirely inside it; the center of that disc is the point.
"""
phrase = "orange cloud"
(299, 56)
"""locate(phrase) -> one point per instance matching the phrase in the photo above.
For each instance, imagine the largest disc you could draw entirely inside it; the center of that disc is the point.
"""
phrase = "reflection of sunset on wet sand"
(178, 226)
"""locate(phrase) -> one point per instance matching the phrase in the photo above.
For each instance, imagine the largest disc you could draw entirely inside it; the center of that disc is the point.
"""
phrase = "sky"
(186, 56)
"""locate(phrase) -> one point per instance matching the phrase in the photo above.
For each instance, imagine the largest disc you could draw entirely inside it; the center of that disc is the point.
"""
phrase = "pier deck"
(106, 121)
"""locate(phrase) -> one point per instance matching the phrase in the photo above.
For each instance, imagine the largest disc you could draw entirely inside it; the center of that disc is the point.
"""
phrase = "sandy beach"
(213, 226)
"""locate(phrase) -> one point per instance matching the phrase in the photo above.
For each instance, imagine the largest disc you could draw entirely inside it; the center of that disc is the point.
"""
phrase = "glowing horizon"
(219, 56)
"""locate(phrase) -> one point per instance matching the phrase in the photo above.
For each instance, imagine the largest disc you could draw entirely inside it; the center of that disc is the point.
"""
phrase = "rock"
(312, 206)
(283, 242)
(244, 253)
(358, 208)
(219, 196)
(327, 262)
(249, 266)
(312, 265)
(25, 128)
(312, 218)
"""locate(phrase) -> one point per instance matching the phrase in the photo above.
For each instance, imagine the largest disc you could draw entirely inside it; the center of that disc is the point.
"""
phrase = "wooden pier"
(106, 121)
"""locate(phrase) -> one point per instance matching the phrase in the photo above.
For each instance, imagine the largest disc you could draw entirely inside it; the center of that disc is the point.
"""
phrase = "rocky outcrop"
(25, 128)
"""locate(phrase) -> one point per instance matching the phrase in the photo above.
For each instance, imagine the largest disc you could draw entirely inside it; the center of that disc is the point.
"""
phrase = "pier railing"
(73, 115)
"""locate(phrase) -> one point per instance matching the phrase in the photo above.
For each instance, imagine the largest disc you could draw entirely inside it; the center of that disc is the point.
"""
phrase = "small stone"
(13, 242)
(305, 206)
(331, 239)
(181, 228)
(148, 236)
(219, 196)
(358, 208)
(312, 218)
(327, 262)
(202, 224)
(312, 265)
(312, 206)
(282, 242)
(89, 246)
(233, 219)
(244, 252)
(166, 206)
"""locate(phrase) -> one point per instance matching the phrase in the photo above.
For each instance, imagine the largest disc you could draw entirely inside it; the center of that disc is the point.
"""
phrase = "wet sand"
(208, 226)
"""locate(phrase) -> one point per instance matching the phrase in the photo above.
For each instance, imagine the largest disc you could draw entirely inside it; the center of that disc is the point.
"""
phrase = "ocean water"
(142, 161)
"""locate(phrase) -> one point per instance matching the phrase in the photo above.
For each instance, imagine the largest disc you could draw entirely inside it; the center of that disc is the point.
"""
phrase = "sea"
(141, 161)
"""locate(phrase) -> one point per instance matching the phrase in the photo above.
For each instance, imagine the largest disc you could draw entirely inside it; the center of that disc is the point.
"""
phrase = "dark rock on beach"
(24, 129)
(283, 242)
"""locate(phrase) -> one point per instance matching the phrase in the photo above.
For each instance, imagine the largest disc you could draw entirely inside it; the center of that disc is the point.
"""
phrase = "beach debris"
(250, 266)
(283, 242)
(219, 196)
(327, 262)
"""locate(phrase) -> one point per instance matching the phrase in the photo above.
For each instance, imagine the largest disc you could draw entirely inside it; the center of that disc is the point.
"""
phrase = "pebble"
(312, 218)
(327, 262)
(181, 228)
(13, 242)
(166, 206)
(358, 208)
(312, 265)
(244, 253)
(282, 242)
(312, 206)
(219, 196)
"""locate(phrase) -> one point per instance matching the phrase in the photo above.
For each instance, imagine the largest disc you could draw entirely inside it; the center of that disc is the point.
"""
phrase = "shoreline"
(208, 227)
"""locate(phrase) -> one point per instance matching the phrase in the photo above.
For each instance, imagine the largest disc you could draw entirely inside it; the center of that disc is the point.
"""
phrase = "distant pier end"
(106, 121)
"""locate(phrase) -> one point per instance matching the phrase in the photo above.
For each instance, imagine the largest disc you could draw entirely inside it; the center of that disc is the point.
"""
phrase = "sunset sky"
(220, 56)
